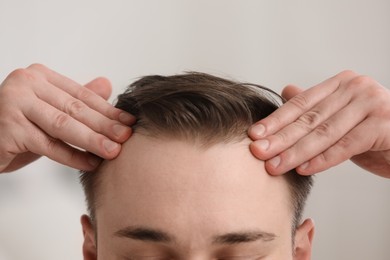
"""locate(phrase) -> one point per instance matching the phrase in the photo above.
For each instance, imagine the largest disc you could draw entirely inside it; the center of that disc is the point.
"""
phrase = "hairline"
(199, 144)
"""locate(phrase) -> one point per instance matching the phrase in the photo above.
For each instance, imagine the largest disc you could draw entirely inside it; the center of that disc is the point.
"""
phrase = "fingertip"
(125, 136)
(256, 131)
(126, 118)
(256, 152)
(304, 169)
(271, 169)
(111, 149)
(103, 82)
(262, 149)
(302, 172)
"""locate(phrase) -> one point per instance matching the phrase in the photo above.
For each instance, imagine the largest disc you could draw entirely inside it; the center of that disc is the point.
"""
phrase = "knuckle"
(74, 107)
(112, 112)
(322, 159)
(84, 94)
(378, 93)
(344, 143)
(60, 121)
(51, 145)
(323, 130)
(21, 75)
(271, 120)
(37, 66)
(309, 120)
(360, 82)
(300, 101)
(347, 73)
(282, 136)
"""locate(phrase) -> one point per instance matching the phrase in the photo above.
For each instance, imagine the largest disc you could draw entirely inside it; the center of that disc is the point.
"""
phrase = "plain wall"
(267, 42)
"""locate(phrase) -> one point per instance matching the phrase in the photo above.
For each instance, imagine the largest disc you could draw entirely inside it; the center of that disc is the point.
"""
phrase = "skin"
(42, 112)
(193, 194)
(344, 117)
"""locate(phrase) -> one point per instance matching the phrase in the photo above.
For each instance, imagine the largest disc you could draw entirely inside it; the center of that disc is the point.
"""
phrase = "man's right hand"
(45, 113)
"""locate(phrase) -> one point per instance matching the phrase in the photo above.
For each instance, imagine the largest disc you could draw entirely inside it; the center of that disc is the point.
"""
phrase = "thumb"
(291, 91)
(100, 86)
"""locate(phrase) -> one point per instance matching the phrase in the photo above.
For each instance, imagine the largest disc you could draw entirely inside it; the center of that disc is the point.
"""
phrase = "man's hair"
(203, 109)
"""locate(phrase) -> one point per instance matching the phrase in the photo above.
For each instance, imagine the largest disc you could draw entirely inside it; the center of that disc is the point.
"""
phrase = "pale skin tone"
(201, 199)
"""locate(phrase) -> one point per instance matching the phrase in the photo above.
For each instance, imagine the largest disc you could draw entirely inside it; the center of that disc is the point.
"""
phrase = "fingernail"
(275, 162)
(94, 161)
(258, 130)
(119, 130)
(110, 145)
(126, 118)
(304, 166)
(262, 144)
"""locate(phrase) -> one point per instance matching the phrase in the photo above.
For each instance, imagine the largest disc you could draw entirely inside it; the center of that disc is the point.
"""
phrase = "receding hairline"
(244, 101)
(197, 144)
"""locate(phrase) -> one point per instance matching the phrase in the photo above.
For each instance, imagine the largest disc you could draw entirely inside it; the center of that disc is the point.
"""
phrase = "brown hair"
(198, 107)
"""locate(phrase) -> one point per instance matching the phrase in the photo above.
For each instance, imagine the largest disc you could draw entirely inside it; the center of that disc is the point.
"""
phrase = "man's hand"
(344, 117)
(45, 113)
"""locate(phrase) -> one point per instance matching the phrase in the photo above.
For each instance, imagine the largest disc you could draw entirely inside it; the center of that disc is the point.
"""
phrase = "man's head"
(185, 185)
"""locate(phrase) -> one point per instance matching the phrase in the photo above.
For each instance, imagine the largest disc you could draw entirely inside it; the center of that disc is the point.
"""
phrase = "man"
(310, 115)
(186, 186)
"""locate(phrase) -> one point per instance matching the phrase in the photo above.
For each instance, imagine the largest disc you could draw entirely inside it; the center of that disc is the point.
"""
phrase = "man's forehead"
(179, 185)
(164, 164)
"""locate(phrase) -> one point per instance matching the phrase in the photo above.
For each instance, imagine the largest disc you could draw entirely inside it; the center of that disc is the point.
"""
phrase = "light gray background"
(268, 42)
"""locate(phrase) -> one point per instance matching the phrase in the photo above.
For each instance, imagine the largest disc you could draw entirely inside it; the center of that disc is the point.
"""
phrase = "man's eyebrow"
(244, 237)
(156, 235)
(145, 234)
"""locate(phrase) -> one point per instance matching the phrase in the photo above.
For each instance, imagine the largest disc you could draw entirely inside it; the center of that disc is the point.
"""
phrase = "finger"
(296, 106)
(37, 143)
(355, 142)
(319, 140)
(291, 91)
(19, 161)
(91, 99)
(82, 113)
(272, 145)
(60, 125)
(42, 144)
(101, 86)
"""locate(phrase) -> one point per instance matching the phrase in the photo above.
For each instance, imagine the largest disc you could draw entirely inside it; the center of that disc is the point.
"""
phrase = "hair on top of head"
(198, 107)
